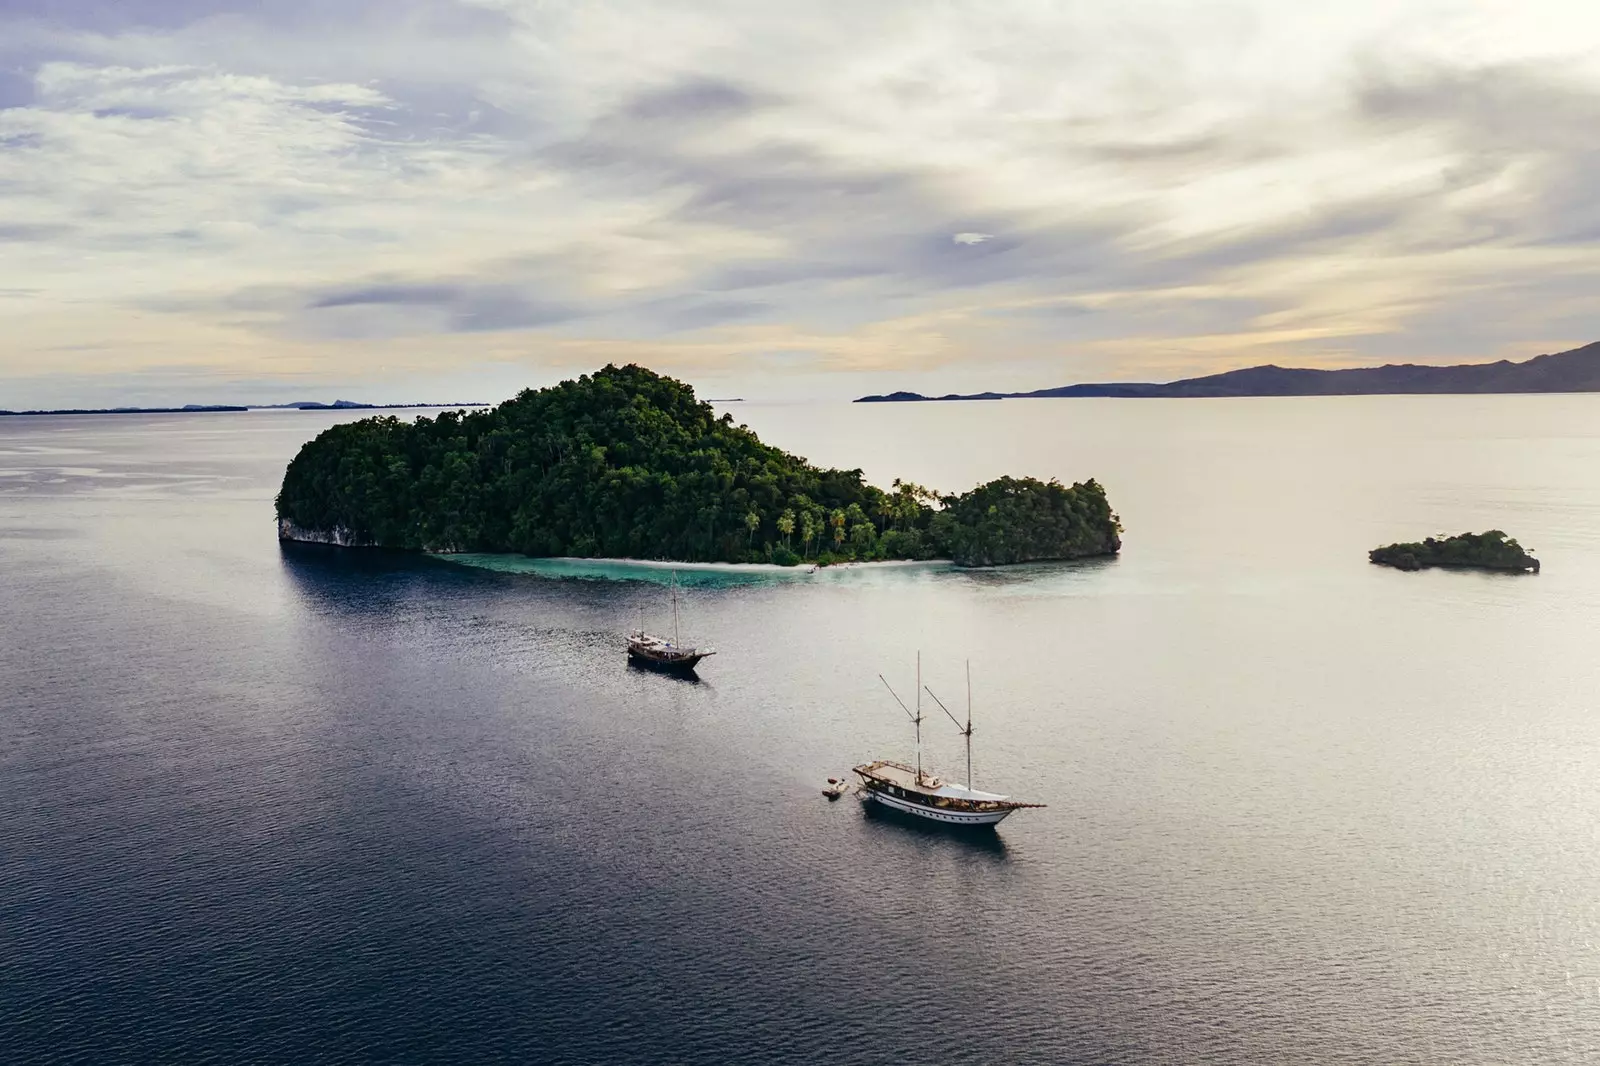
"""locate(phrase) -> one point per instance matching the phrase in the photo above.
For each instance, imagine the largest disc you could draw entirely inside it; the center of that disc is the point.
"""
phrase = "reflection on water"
(1043, 577)
(687, 677)
(984, 839)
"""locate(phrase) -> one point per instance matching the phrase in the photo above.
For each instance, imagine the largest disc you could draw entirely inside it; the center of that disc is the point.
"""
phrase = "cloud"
(25, 231)
(461, 308)
(856, 188)
(691, 100)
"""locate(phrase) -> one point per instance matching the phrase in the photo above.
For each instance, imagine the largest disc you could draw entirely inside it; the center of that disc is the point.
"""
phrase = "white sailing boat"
(909, 790)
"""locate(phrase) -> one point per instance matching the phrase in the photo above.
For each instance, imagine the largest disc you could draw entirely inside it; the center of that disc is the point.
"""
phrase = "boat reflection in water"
(980, 840)
(685, 674)
(911, 791)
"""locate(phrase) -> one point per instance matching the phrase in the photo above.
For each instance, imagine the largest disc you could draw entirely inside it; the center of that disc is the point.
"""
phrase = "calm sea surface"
(305, 805)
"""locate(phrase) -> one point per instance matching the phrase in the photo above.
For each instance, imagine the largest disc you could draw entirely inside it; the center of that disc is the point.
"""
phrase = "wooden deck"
(903, 777)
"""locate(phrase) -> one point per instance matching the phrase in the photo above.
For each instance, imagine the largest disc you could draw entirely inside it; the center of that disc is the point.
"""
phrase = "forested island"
(1491, 550)
(625, 463)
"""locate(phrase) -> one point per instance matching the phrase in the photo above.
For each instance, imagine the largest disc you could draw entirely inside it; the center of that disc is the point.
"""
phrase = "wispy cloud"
(996, 194)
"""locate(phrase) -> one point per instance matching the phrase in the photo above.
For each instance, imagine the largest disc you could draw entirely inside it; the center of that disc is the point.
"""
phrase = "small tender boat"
(909, 790)
(659, 653)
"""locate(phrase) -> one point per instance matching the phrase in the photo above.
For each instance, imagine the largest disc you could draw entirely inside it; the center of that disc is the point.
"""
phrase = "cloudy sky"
(448, 199)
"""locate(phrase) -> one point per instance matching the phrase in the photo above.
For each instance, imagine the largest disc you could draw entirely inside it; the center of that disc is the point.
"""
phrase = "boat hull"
(941, 815)
(684, 664)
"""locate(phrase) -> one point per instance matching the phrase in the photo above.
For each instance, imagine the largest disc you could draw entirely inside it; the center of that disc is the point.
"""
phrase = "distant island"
(1491, 550)
(193, 408)
(901, 397)
(212, 408)
(625, 463)
(337, 405)
(1574, 371)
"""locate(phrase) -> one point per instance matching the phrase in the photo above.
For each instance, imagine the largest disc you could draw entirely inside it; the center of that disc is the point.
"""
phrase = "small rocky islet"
(626, 463)
(1490, 550)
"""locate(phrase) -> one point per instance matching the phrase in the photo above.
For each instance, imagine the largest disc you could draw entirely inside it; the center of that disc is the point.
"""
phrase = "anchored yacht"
(911, 790)
(659, 653)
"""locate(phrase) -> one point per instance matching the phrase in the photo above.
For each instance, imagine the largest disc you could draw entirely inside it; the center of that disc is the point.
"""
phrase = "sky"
(406, 200)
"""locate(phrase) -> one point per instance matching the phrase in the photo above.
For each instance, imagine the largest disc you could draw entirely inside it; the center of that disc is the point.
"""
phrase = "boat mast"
(918, 719)
(968, 730)
(675, 608)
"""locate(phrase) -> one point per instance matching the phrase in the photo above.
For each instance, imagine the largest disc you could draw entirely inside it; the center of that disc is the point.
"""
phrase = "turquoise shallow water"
(301, 804)
(702, 575)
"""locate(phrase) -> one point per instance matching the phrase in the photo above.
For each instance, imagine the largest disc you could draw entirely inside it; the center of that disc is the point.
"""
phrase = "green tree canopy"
(1019, 520)
(626, 463)
(1490, 550)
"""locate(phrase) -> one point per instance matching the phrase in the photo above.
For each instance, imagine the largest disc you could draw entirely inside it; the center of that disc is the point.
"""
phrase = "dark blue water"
(293, 805)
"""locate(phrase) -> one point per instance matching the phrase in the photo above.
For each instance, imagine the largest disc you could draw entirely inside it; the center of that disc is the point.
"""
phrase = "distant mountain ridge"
(1574, 371)
(314, 405)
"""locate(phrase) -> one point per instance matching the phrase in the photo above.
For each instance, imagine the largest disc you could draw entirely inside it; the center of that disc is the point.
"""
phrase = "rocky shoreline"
(344, 538)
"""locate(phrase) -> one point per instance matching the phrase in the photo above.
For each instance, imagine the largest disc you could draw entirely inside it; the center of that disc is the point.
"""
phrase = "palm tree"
(885, 509)
(910, 499)
(752, 522)
(786, 526)
(903, 503)
(837, 521)
(808, 529)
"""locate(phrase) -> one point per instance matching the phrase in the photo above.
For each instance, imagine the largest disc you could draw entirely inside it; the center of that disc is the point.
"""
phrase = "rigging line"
(898, 700)
(946, 710)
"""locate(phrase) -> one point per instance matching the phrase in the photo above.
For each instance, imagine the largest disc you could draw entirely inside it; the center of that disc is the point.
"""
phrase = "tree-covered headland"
(625, 463)
(1491, 550)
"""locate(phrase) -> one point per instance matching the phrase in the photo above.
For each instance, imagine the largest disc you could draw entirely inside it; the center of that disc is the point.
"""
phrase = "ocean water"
(297, 804)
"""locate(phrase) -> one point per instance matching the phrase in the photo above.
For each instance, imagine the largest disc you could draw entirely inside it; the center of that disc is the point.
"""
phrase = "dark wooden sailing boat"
(659, 653)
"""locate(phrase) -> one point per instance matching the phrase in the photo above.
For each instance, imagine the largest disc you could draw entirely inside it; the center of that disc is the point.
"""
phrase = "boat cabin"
(901, 781)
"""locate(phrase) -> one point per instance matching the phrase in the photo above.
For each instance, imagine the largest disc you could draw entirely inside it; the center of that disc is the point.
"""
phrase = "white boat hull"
(937, 814)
